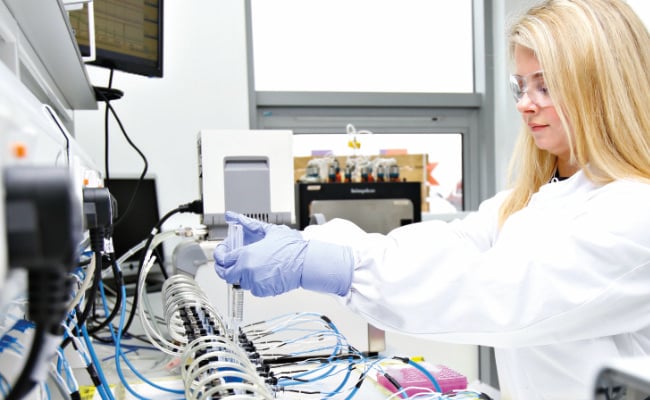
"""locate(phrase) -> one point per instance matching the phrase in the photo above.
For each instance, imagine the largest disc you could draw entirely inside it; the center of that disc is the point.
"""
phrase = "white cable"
(160, 342)
(158, 238)
(256, 389)
(221, 353)
(211, 341)
(88, 280)
(181, 290)
(154, 336)
(152, 332)
(210, 358)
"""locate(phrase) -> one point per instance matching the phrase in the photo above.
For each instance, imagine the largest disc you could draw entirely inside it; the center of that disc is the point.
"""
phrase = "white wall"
(204, 86)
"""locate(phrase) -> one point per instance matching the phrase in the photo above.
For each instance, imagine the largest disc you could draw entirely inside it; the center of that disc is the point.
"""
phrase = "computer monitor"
(136, 225)
(128, 35)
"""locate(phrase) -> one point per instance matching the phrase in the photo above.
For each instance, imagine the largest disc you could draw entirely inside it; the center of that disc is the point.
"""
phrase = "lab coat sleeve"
(549, 278)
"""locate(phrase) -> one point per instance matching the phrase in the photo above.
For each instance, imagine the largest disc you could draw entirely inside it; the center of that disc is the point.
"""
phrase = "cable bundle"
(213, 366)
(216, 367)
(183, 299)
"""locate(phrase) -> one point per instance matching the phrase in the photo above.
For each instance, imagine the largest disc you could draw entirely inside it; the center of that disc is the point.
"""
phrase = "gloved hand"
(254, 229)
(276, 259)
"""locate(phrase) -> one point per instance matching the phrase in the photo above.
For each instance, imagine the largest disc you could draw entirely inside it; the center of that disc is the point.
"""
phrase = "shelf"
(47, 59)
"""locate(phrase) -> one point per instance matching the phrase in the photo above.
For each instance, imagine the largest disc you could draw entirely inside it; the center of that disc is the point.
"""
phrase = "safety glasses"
(533, 85)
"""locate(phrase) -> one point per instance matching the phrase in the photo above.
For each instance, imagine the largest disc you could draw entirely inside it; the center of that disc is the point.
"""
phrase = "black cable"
(144, 169)
(195, 207)
(82, 315)
(55, 226)
(47, 311)
(302, 391)
(103, 94)
(90, 369)
(159, 254)
(106, 145)
(143, 255)
(24, 383)
(65, 137)
(119, 281)
(394, 382)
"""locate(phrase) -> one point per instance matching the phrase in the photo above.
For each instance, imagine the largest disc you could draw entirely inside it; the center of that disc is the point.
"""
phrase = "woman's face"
(542, 120)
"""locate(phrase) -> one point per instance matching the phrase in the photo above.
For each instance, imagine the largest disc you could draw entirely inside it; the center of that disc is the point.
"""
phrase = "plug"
(98, 207)
(43, 222)
(43, 217)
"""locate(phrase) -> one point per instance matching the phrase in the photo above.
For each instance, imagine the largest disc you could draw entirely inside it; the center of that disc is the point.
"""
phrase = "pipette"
(236, 303)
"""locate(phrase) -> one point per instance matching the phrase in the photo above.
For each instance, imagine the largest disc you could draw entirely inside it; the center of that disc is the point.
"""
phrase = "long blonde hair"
(596, 59)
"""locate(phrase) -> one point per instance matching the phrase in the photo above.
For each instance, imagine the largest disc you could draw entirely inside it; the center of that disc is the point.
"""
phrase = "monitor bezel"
(129, 63)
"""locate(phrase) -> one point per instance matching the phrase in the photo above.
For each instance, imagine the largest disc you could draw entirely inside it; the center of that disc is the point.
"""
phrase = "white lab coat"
(563, 286)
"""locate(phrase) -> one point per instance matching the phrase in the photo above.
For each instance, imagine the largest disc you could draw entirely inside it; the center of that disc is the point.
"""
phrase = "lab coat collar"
(577, 184)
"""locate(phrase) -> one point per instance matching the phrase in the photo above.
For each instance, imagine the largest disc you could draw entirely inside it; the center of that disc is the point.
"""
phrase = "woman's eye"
(542, 89)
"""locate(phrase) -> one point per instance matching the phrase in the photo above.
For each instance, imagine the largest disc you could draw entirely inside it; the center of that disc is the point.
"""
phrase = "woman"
(554, 273)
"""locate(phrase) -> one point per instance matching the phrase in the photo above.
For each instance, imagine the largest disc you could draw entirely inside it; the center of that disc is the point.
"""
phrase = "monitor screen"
(137, 223)
(128, 35)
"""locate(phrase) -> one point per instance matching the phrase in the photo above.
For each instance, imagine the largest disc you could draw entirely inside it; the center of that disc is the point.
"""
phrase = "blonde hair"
(596, 58)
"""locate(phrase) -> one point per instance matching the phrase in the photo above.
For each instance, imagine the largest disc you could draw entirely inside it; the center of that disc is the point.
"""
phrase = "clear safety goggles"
(533, 85)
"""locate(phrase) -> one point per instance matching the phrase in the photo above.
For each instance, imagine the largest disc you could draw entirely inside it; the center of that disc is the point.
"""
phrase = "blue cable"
(286, 316)
(420, 368)
(131, 347)
(47, 392)
(5, 387)
(116, 339)
(322, 376)
(322, 333)
(123, 353)
(22, 325)
(119, 354)
(81, 353)
(63, 362)
(311, 333)
(344, 381)
(103, 389)
(356, 387)
(11, 343)
(316, 349)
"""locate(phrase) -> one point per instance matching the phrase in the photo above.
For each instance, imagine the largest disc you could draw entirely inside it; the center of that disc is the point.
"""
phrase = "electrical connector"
(98, 212)
(43, 217)
(43, 222)
(195, 207)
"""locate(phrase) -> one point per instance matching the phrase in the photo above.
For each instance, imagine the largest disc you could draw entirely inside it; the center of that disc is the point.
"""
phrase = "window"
(363, 46)
(383, 65)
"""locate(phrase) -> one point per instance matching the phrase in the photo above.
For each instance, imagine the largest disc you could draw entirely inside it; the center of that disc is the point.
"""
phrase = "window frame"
(470, 114)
